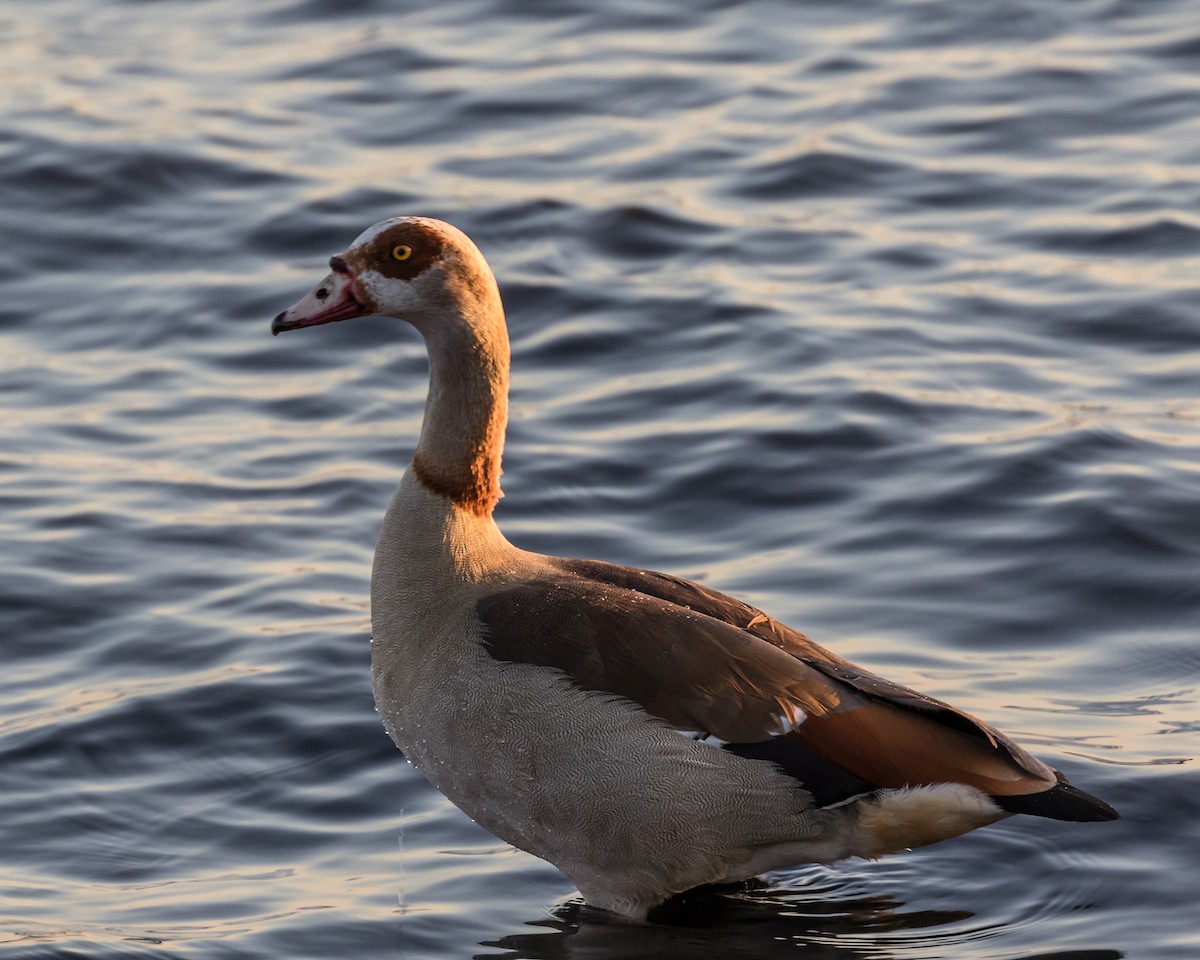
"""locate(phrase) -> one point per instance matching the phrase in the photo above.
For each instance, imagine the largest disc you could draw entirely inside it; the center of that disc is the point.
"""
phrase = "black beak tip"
(277, 326)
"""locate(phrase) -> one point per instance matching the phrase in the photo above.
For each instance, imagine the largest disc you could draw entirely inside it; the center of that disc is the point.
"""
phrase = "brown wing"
(694, 671)
(703, 660)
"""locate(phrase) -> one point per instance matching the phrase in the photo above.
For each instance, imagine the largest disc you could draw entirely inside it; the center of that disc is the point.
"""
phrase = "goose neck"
(462, 436)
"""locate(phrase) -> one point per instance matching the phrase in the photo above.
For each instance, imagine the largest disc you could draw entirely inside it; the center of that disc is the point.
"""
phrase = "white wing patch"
(788, 719)
(702, 737)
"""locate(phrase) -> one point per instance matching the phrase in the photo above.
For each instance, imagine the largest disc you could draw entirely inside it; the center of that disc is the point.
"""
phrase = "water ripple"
(881, 316)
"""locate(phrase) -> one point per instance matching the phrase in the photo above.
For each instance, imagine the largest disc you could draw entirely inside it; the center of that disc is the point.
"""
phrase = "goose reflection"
(759, 920)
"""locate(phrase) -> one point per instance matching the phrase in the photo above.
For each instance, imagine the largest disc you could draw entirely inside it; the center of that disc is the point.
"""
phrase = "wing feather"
(702, 660)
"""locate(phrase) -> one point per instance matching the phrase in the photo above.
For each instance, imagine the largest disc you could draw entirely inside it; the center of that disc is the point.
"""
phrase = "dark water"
(882, 316)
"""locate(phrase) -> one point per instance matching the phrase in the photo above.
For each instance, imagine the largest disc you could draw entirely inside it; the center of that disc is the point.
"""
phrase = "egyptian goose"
(645, 734)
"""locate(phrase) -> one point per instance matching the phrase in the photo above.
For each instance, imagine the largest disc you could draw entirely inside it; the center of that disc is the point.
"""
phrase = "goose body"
(643, 733)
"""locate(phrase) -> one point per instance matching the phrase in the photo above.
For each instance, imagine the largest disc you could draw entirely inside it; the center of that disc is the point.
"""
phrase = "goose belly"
(614, 798)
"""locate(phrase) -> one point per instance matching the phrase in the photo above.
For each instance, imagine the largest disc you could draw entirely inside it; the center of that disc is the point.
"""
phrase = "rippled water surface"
(882, 316)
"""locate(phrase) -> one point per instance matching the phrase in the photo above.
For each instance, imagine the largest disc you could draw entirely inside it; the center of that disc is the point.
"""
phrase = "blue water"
(882, 316)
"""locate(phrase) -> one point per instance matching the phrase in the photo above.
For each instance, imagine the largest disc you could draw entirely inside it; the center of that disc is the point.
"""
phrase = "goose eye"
(401, 251)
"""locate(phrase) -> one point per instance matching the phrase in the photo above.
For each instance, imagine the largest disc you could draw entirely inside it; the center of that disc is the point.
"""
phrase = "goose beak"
(333, 299)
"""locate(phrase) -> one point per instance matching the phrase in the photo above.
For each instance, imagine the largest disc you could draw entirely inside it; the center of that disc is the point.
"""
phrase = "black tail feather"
(1060, 802)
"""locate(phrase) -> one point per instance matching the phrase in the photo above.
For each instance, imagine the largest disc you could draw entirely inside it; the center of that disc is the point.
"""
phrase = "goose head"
(431, 274)
(417, 269)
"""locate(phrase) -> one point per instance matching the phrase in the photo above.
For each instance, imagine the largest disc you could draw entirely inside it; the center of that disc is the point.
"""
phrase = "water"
(881, 316)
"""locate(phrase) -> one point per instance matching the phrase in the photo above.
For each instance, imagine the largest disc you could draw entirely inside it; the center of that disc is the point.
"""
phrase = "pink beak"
(332, 300)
